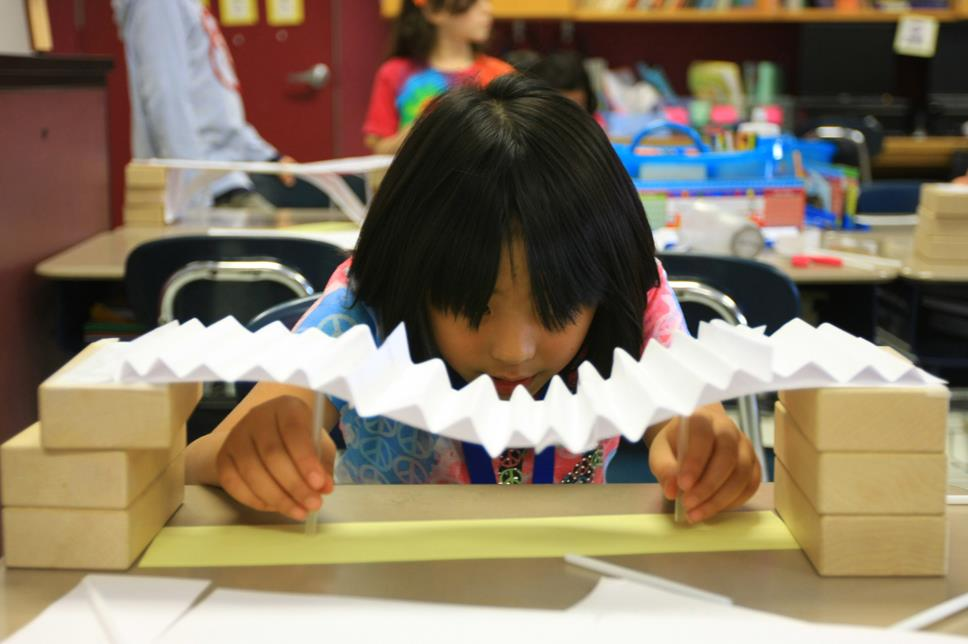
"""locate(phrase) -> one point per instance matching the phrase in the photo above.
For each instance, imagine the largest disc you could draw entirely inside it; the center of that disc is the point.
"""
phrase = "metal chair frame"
(850, 135)
(728, 310)
(229, 271)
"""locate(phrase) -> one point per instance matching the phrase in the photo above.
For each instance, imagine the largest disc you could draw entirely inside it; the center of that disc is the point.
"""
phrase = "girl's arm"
(263, 454)
(719, 471)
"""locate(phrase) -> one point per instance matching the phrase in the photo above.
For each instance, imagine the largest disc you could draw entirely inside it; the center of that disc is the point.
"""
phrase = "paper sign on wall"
(285, 13)
(238, 13)
(916, 36)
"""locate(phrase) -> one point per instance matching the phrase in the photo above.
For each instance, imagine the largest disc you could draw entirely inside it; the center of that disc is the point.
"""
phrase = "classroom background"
(819, 130)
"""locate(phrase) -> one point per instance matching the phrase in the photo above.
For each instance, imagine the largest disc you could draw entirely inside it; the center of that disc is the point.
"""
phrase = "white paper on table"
(723, 362)
(616, 611)
(188, 177)
(241, 616)
(121, 609)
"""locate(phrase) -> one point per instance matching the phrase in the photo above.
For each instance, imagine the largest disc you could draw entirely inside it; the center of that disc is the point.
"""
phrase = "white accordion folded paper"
(723, 362)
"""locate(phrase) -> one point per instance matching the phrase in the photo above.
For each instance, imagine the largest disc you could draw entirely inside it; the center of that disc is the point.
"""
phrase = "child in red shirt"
(436, 44)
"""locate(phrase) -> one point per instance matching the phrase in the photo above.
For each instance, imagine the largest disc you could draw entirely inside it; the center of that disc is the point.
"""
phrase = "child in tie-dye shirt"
(510, 240)
(436, 45)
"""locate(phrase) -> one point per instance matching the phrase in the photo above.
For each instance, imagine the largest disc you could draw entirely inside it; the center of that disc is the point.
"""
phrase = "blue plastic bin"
(692, 162)
(782, 148)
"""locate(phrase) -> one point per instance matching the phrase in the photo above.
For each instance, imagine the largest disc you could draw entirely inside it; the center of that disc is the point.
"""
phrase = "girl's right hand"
(268, 461)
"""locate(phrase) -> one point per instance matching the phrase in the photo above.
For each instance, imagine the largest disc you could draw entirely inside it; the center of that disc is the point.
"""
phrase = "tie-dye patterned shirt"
(380, 450)
(403, 87)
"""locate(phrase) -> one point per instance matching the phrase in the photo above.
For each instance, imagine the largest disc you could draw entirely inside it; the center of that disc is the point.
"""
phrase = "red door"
(298, 120)
(275, 67)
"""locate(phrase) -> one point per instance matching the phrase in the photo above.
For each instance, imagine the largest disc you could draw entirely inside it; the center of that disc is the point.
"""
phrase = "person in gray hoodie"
(185, 101)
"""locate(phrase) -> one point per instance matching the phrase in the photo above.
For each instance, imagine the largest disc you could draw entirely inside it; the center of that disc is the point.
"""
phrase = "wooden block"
(36, 477)
(144, 210)
(139, 218)
(945, 199)
(98, 416)
(92, 539)
(936, 224)
(145, 176)
(861, 482)
(868, 546)
(136, 196)
(144, 213)
(858, 419)
(941, 245)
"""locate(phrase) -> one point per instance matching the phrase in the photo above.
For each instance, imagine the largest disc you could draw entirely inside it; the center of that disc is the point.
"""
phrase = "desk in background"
(779, 581)
(102, 257)
(918, 155)
(93, 270)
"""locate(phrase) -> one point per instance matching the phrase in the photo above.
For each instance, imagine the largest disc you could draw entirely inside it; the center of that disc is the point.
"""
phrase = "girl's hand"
(268, 461)
(720, 470)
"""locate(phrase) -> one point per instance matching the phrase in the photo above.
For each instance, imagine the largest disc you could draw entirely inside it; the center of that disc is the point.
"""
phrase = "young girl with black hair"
(436, 44)
(510, 240)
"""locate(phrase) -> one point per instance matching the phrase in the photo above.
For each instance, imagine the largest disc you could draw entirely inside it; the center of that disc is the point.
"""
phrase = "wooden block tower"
(861, 476)
(941, 235)
(91, 484)
(144, 194)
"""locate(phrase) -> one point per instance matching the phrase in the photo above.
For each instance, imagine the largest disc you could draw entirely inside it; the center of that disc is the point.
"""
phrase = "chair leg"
(749, 422)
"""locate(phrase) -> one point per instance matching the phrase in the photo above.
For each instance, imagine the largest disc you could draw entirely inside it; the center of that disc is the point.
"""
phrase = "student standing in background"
(185, 101)
(436, 44)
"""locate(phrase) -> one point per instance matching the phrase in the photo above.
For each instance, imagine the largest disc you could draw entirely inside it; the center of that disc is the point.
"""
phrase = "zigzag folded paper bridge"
(723, 362)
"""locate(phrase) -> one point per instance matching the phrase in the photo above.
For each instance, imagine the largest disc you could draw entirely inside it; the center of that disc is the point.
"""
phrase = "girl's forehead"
(513, 264)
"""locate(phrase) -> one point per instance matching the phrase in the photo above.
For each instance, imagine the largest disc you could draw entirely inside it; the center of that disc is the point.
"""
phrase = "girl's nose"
(513, 342)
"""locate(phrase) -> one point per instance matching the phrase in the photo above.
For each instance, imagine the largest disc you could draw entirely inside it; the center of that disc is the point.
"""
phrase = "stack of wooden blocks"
(861, 476)
(941, 235)
(92, 483)
(144, 194)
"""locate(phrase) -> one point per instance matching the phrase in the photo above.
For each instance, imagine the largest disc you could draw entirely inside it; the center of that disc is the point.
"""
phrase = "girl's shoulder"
(337, 309)
(397, 68)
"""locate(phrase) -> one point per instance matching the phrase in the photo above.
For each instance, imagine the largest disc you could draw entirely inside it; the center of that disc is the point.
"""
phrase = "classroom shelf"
(508, 9)
(759, 15)
(569, 10)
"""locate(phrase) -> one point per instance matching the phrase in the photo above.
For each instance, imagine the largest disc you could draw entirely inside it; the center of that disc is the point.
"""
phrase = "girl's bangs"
(488, 212)
(563, 241)
(462, 271)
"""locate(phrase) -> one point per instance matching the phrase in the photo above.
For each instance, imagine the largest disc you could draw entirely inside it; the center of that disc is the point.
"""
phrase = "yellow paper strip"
(238, 545)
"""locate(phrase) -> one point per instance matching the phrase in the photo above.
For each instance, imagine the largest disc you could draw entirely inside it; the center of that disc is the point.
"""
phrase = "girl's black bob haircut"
(481, 168)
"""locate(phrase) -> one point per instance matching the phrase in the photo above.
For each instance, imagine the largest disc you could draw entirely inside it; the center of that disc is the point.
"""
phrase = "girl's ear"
(431, 16)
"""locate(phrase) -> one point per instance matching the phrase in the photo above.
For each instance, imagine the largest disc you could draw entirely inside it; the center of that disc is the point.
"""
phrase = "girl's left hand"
(719, 471)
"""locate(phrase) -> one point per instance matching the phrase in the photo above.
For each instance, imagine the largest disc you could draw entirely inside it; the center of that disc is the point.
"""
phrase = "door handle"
(315, 77)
